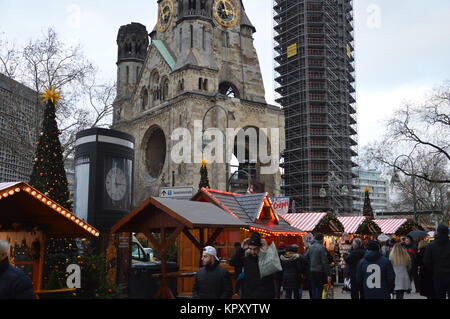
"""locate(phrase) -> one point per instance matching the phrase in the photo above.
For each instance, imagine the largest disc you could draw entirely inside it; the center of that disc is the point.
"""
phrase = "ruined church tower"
(198, 64)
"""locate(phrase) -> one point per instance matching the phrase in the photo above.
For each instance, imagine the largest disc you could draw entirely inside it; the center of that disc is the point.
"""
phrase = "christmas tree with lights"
(48, 175)
(367, 209)
(204, 181)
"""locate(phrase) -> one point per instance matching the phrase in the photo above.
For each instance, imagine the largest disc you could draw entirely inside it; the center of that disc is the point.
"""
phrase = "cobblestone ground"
(339, 294)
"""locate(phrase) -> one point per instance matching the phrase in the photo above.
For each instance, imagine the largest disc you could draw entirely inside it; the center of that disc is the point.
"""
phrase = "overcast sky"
(402, 46)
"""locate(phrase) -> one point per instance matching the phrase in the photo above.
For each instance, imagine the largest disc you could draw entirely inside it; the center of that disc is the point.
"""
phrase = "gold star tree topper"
(204, 162)
(51, 95)
(366, 189)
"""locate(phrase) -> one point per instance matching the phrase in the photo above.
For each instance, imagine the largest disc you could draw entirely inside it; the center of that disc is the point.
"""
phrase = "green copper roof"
(165, 53)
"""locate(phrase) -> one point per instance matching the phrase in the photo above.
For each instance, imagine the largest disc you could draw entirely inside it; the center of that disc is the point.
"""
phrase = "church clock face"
(165, 15)
(116, 184)
(226, 12)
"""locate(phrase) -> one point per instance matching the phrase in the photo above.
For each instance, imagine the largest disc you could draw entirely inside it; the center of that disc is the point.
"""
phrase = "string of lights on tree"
(48, 175)
(204, 181)
(367, 209)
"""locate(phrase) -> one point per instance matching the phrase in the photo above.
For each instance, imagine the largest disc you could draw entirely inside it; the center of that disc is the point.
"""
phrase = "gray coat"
(402, 279)
(317, 258)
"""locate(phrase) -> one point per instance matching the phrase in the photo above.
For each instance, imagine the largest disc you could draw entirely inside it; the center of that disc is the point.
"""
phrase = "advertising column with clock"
(103, 173)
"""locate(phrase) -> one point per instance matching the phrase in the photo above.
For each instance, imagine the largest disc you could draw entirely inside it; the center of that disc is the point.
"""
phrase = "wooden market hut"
(360, 225)
(28, 219)
(200, 223)
(257, 212)
(325, 223)
(314, 223)
(397, 227)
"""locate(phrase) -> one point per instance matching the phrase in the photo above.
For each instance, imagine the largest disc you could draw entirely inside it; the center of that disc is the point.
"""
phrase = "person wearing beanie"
(437, 258)
(352, 259)
(212, 281)
(253, 286)
(317, 258)
(293, 272)
(375, 274)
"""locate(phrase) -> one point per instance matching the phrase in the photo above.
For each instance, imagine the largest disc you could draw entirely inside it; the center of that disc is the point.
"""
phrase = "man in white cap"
(212, 281)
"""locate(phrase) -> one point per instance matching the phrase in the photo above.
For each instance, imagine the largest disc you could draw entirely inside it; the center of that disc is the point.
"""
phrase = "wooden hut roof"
(248, 209)
(163, 212)
(22, 205)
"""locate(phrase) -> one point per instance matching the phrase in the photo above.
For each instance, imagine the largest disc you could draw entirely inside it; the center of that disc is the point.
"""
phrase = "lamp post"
(396, 179)
(227, 168)
(249, 178)
(332, 181)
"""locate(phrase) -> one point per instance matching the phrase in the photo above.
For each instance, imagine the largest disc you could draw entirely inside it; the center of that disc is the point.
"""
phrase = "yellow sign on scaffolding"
(292, 50)
(349, 51)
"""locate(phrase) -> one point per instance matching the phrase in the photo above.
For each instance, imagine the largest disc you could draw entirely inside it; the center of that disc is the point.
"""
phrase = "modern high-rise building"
(314, 62)
(378, 191)
(20, 118)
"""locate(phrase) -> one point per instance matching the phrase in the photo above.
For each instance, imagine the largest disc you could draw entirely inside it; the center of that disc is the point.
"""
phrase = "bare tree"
(48, 62)
(417, 129)
(429, 196)
(9, 58)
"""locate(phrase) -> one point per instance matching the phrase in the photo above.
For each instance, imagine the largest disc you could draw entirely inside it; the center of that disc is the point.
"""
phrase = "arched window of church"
(205, 84)
(181, 39)
(192, 36)
(165, 90)
(203, 37)
(144, 98)
(180, 7)
(229, 90)
(203, 4)
(137, 73)
(128, 48)
(128, 74)
(225, 39)
(200, 83)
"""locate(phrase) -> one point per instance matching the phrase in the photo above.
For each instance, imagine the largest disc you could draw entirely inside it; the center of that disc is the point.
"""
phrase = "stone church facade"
(199, 64)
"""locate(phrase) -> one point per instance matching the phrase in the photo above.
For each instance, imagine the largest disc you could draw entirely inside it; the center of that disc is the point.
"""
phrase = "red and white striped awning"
(352, 223)
(305, 222)
(390, 226)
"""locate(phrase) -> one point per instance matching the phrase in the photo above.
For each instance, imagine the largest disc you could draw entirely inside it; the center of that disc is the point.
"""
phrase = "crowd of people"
(376, 270)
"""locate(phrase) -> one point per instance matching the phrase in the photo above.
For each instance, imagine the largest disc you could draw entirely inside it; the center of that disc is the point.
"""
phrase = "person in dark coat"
(293, 272)
(255, 287)
(352, 259)
(437, 258)
(426, 285)
(279, 275)
(375, 274)
(212, 281)
(411, 248)
(14, 283)
(319, 266)
(236, 263)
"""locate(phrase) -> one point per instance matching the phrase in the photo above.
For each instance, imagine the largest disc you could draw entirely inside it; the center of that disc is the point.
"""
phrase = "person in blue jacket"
(14, 283)
(375, 274)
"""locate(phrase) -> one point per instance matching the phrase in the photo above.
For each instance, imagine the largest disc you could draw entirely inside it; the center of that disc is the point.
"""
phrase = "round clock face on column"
(165, 15)
(116, 184)
(226, 12)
